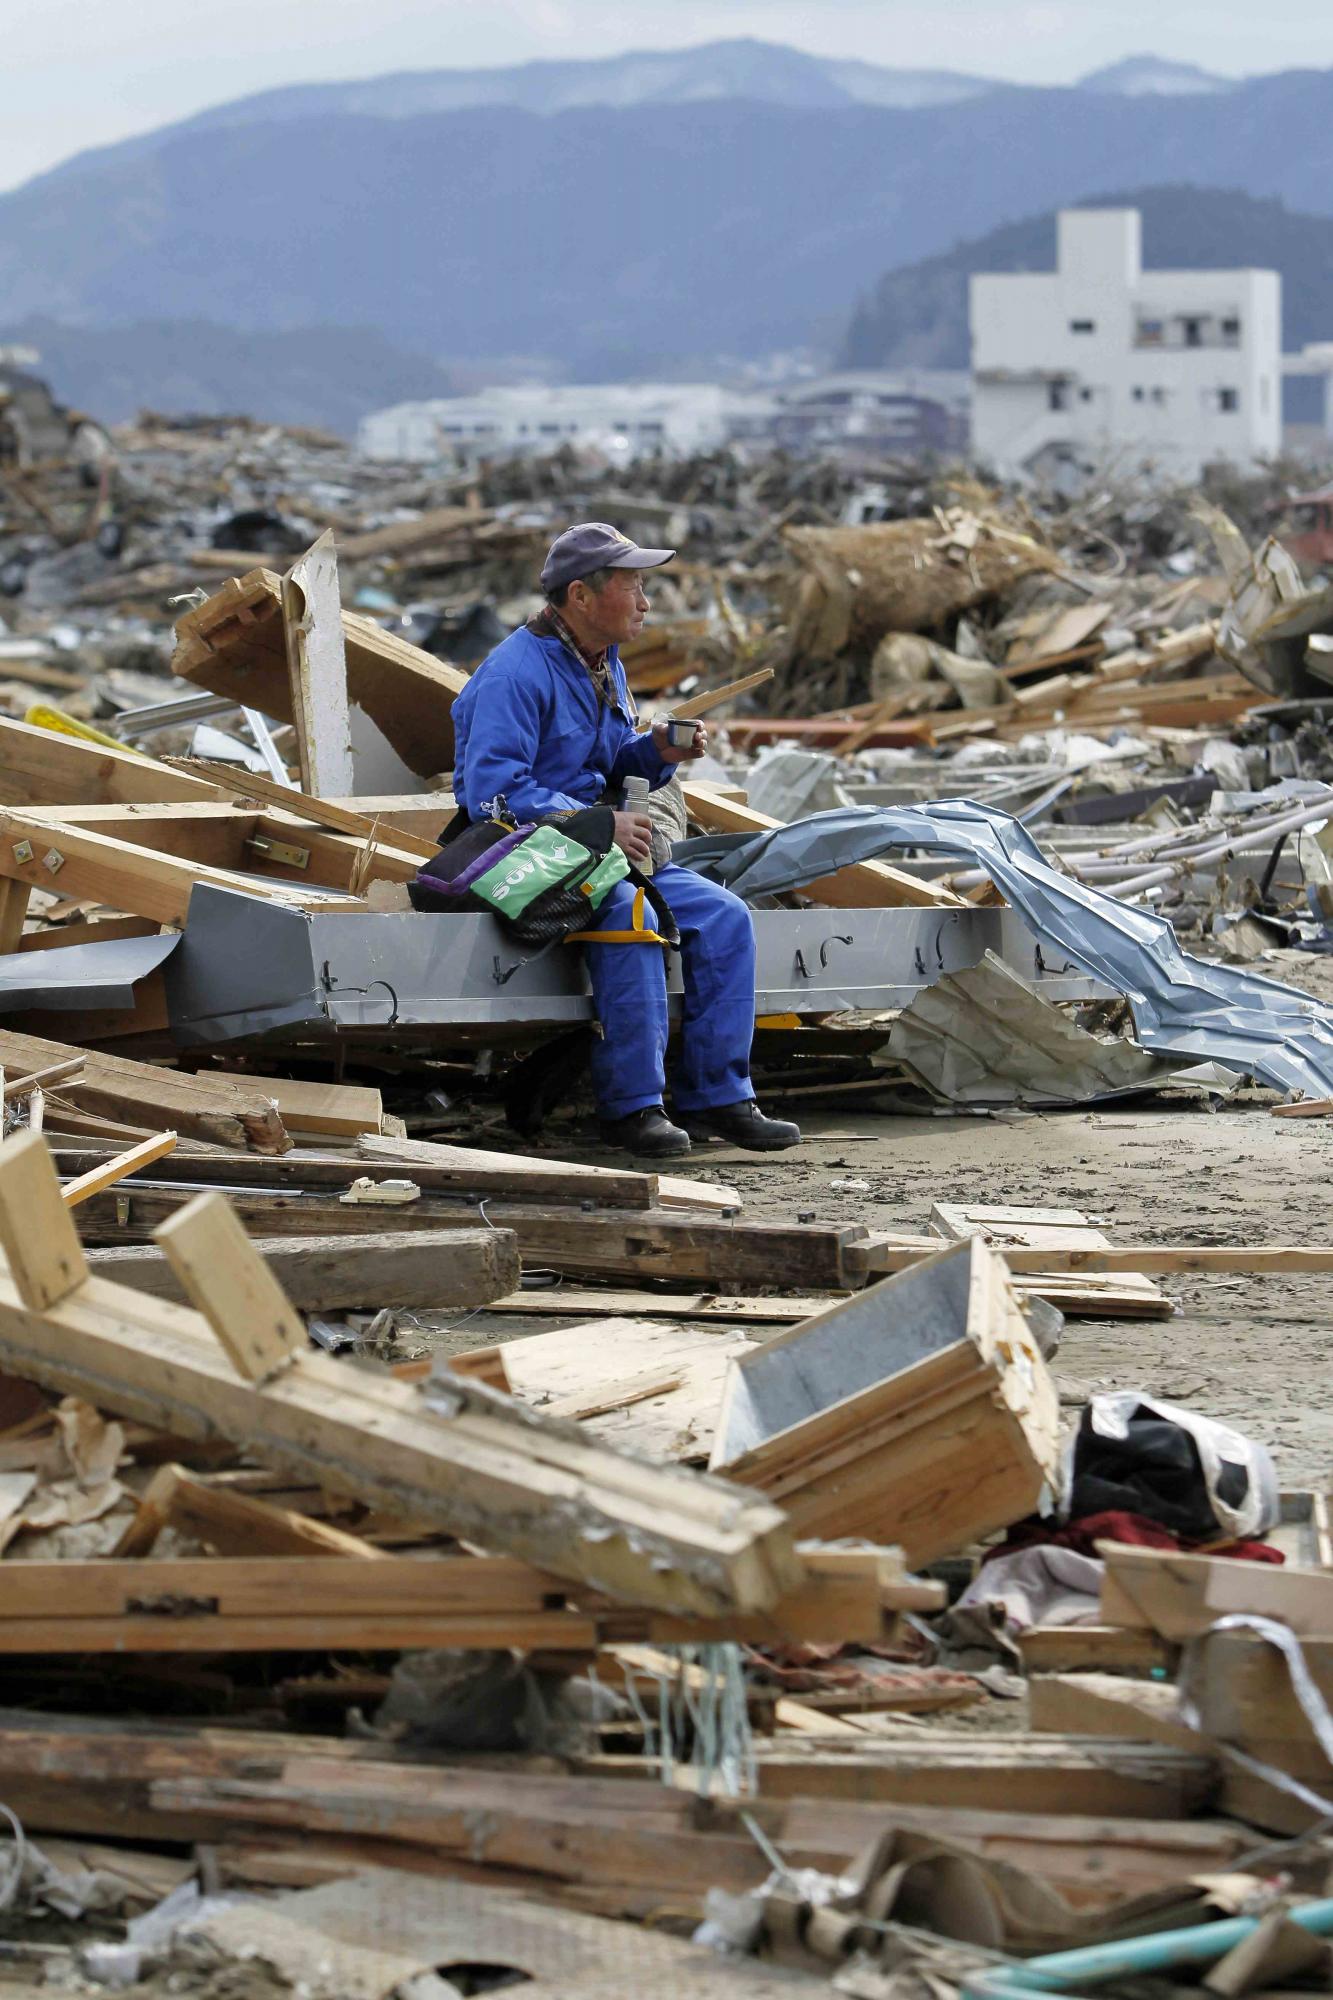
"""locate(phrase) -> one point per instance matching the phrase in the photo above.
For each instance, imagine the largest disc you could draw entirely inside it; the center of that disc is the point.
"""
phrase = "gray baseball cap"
(591, 545)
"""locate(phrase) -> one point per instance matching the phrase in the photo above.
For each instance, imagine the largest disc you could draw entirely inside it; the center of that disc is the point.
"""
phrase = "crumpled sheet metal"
(1181, 1004)
(73, 976)
(985, 1037)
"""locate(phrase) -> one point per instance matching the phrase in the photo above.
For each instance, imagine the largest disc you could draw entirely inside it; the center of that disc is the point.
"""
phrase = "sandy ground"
(1254, 1351)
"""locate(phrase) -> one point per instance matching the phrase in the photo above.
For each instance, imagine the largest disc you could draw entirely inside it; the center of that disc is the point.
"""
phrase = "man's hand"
(634, 836)
(692, 751)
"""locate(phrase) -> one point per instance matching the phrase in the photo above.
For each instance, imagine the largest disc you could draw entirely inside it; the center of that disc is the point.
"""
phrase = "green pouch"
(612, 868)
(548, 860)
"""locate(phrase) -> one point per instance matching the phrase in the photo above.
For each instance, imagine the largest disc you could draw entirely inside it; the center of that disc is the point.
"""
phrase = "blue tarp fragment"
(1182, 1005)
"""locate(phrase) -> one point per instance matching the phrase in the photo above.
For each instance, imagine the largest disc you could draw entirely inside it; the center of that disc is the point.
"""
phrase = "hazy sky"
(85, 72)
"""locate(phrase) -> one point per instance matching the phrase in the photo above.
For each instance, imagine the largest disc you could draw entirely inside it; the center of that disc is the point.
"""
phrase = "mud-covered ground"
(1256, 1351)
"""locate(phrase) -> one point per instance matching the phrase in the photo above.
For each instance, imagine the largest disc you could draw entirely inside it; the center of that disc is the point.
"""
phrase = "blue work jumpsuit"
(531, 728)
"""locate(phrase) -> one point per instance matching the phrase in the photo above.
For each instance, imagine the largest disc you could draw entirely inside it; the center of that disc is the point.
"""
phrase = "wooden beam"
(460, 1170)
(277, 1603)
(84, 1186)
(618, 1243)
(865, 885)
(423, 1270)
(45, 767)
(231, 1285)
(41, 1244)
(1244, 1259)
(465, 1460)
(241, 837)
(71, 860)
(222, 1110)
(320, 812)
(331, 1110)
(13, 913)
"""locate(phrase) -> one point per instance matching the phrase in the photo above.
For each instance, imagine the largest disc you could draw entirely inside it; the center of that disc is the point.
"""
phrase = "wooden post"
(46, 1259)
(228, 1281)
(317, 670)
(13, 913)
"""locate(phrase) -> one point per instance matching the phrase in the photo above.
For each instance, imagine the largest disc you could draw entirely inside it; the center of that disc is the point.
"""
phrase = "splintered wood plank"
(234, 645)
(456, 1457)
(334, 1110)
(862, 886)
(317, 669)
(223, 1110)
(230, 1523)
(41, 1244)
(84, 1186)
(232, 1286)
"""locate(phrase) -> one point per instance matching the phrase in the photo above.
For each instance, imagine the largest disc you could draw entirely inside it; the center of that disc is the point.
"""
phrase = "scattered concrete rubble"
(432, 1564)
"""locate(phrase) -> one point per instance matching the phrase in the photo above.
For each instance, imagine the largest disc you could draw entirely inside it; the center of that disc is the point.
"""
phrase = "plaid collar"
(549, 624)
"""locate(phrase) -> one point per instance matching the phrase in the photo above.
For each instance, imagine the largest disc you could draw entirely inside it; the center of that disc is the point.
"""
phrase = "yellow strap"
(614, 937)
(638, 935)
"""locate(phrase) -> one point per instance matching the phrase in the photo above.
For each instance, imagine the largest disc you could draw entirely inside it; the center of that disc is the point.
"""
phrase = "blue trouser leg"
(629, 992)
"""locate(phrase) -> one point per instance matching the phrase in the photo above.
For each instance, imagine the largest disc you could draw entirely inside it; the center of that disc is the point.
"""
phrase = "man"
(546, 724)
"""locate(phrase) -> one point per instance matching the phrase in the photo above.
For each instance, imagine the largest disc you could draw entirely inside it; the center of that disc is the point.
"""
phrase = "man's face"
(615, 613)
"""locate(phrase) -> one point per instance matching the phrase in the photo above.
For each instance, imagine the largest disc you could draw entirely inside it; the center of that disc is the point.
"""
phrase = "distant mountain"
(1149, 76)
(916, 316)
(753, 71)
(680, 235)
(325, 376)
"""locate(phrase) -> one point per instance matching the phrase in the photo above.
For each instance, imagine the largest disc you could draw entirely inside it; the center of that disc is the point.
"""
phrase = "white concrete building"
(1100, 363)
(624, 421)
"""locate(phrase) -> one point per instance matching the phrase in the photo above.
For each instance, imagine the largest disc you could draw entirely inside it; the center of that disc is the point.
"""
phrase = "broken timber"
(671, 1243)
(234, 645)
(919, 1412)
(423, 1269)
(468, 1461)
(261, 1604)
(226, 1111)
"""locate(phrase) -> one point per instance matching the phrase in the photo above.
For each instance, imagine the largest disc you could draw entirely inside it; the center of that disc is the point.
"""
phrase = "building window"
(1192, 331)
(1231, 329)
(1082, 326)
(1057, 396)
(1159, 396)
(1149, 333)
(1137, 395)
(1085, 395)
(1228, 400)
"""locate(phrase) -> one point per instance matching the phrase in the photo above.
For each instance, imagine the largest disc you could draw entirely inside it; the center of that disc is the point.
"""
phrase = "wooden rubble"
(382, 1511)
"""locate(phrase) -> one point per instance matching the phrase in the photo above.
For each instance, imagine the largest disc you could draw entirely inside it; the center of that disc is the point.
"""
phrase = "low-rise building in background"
(1102, 363)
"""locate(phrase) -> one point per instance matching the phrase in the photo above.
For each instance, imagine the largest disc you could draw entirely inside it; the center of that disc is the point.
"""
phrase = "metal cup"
(680, 734)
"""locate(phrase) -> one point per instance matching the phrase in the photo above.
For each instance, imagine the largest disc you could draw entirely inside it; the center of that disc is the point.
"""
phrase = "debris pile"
(430, 1564)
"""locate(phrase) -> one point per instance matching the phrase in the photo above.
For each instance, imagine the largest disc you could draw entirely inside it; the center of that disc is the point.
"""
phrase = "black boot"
(648, 1132)
(742, 1124)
